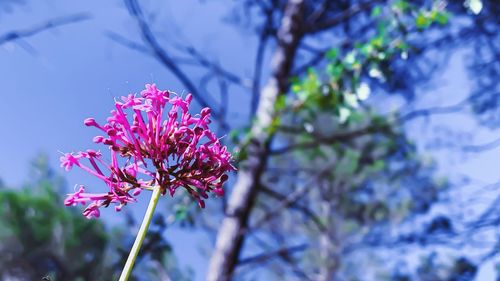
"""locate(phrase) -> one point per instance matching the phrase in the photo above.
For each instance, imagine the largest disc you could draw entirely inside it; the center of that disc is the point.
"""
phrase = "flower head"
(149, 147)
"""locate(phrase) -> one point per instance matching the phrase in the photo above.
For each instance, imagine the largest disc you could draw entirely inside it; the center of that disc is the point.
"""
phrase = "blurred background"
(366, 136)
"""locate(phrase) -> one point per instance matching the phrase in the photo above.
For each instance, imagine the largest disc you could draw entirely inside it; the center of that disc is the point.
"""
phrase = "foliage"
(42, 238)
(352, 172)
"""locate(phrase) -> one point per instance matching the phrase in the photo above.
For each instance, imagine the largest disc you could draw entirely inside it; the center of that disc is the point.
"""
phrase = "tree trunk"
(231, 233)
(328, 242)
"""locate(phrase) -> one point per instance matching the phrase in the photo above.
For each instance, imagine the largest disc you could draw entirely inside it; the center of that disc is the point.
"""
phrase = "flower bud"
(90, 122)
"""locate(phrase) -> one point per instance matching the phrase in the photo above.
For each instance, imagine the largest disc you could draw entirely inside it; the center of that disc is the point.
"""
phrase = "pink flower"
(68, 160)
(147, 150)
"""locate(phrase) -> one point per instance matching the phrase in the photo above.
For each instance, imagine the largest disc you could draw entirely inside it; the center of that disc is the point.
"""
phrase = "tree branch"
(129, 43)
(161, 54)
(294, 205)
(292, 198)
(345, 136)
(50, 24)
(283, 251)
(204, 62)
(340, 18)
(265, 33)
(482, 147)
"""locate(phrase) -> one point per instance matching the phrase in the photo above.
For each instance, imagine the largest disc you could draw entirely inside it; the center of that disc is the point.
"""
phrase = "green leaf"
(401, 5)
(280, 103)
(403, 46)
(180, 213)
(367, 49)
(350, 58)
(332, 53)
(276, 122)
(442, 18)
(356, 117)
(382, 28)
(296, 88)
(376, 11)
(234, 135)
(335, 70)
(377, 42)
(422, 21)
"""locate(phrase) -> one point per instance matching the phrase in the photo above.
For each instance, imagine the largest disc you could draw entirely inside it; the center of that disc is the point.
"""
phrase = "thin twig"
(306, 211)
(162, 55)
(283, 251)
(344, 136)
(482, 147)
(50, 24)
(340, 18)
(292, 198)
(265, 33)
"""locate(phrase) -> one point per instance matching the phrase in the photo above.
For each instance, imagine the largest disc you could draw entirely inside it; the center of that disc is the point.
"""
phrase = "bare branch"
(133, 45)
(50, 24)
(162, 55)
(345, 136)
(292, 198)
(202, 61)
(294, 205)
(162, 273)
(128, 43)
(340, 18)
(318, 13)
(224, 96)
(287, 259)
(283, 251)
(482, 147)
(265, 33)
(340, 137)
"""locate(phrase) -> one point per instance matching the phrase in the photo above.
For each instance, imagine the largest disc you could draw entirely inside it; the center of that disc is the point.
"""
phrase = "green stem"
(127, 269)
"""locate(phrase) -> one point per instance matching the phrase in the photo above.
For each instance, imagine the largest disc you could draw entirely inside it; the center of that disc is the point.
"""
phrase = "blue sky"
(76, 71)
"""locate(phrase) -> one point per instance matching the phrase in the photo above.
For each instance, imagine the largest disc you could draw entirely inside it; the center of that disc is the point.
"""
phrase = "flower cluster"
(148, 151)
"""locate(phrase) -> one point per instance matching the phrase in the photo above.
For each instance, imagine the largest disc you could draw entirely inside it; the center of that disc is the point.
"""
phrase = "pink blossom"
(148, 150)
